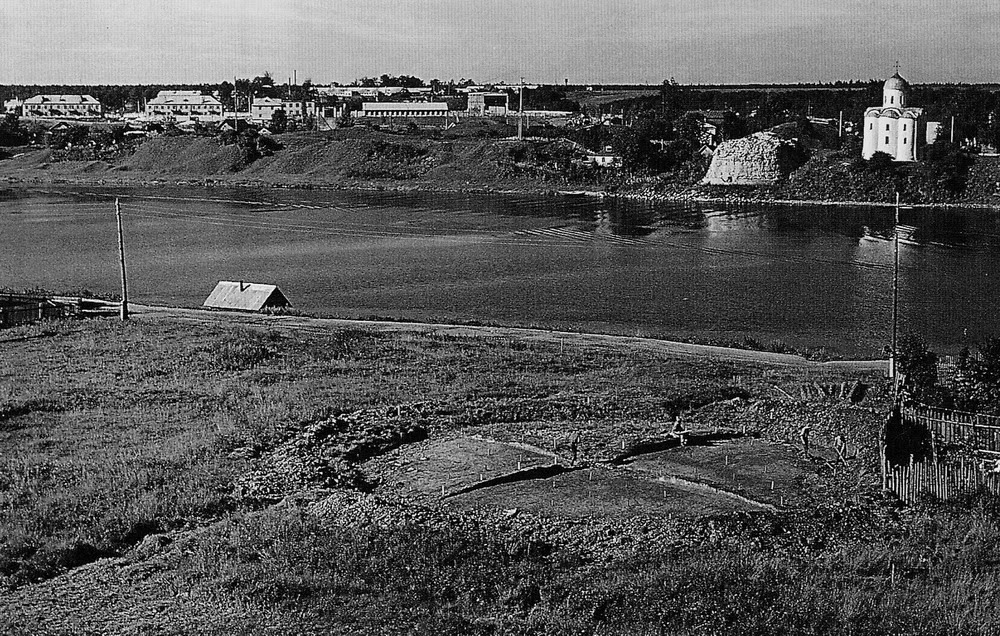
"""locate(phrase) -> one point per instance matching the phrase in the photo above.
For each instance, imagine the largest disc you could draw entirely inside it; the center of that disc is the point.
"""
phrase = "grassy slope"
(344, 158)
(112, 432)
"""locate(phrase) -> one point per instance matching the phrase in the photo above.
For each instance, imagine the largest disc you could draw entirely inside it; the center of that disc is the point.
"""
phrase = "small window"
(892, 100)
(887, 127)
(904, 127)
(887, 141)
(904, 141)
(871, 126)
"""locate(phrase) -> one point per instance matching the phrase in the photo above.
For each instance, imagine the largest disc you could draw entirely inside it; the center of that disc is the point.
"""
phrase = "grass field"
(170, 477)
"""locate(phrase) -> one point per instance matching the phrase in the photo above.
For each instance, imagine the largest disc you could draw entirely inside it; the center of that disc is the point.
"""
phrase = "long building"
(70, 106)
(184, 105)
(402, 110)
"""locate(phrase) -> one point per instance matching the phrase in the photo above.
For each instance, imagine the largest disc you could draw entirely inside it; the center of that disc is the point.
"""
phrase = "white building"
(895, 127)
(402, 110)
(298, 110)
(263, 108)
(184, 105)
(13, 105)
(68, 106)
(488, 104)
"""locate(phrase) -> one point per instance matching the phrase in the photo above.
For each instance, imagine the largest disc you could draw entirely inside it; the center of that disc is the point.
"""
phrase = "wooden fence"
(973, 430)
(18, 309)
(941, 480)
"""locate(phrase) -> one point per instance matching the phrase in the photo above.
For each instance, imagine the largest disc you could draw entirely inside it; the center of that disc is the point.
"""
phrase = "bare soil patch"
(473, 472)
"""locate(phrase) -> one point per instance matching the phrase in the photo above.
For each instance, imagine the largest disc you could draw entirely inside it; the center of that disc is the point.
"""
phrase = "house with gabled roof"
(69, 106)
(242, 296)
(184, 105)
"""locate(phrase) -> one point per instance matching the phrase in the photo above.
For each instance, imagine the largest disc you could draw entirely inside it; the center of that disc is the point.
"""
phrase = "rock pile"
(763, 158)
(325, 454)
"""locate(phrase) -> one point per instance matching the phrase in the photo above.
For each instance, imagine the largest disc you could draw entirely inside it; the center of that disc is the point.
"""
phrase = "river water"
(807, 276)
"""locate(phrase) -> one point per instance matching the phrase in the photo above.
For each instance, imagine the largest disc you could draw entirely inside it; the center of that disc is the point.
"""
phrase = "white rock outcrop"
(762, 158)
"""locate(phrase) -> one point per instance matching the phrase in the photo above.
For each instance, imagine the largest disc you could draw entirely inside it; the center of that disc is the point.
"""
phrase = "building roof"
(245, 296)
(266, 101)
(896, 83)
(62, 99)
(177, 98)
(439, 107)
(894, 112)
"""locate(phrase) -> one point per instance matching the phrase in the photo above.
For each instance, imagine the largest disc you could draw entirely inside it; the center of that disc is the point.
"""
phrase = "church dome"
(896, 83)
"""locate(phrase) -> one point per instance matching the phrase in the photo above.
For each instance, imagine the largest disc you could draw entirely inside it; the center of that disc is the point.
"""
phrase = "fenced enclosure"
(946, 480)
(20, 309)
(947, 427)
(950, 454)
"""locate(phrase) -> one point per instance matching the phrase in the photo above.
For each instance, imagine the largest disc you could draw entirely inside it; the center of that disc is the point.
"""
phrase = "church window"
(887, 141)
(904, 141)
(904, 127)
(887, 127)
(892, 100)
(871, 126)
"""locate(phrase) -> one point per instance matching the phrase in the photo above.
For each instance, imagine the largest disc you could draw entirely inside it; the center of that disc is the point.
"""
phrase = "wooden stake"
(121, 255)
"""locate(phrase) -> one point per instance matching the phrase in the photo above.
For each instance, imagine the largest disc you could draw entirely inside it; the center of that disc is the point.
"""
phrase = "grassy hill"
(168, 476)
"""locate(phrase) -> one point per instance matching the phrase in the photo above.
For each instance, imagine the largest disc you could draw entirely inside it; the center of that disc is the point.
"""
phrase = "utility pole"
(121, 256)
(520, 112)
(840, 126)
(895, 302)
(952, 129)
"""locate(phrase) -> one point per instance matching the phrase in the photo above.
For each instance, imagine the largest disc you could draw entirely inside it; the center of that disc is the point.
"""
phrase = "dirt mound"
(185, 155)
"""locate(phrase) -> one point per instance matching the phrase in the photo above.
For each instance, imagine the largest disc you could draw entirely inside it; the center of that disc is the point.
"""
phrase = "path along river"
(808, 276)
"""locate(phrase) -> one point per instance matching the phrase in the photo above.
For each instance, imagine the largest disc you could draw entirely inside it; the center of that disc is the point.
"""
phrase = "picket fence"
(972, 430)
(941, 480)
(947, 477)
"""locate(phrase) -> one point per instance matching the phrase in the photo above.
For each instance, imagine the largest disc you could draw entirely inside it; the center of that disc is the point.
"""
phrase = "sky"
(544, 41)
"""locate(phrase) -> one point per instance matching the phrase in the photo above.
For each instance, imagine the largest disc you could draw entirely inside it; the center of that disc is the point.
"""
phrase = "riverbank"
(355, 159)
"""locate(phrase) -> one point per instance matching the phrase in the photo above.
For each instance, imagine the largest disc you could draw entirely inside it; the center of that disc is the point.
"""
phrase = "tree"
(977, 383)
(279, 121)
(943, 172)
(919, 364)
(11, 133)
(226, 95)
(263, 85)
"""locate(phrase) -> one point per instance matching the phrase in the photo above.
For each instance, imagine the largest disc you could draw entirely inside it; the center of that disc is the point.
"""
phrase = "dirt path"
(319, 325)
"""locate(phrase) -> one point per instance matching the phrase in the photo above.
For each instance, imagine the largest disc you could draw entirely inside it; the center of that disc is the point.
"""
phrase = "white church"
(896, 128)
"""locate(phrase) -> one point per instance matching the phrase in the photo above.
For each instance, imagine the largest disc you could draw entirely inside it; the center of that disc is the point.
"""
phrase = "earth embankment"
(349, 158)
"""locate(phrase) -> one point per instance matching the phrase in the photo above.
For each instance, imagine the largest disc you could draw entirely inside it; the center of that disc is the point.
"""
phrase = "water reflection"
(809, 276)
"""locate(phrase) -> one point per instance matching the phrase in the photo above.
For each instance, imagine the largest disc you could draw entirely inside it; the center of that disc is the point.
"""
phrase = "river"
(808, 276)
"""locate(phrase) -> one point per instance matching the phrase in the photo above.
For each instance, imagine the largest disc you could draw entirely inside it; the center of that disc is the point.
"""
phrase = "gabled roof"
(245, 296)
(62, 99)
(174, 98)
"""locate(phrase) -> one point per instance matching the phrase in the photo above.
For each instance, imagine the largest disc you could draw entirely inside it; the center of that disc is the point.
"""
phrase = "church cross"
(896, 67)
